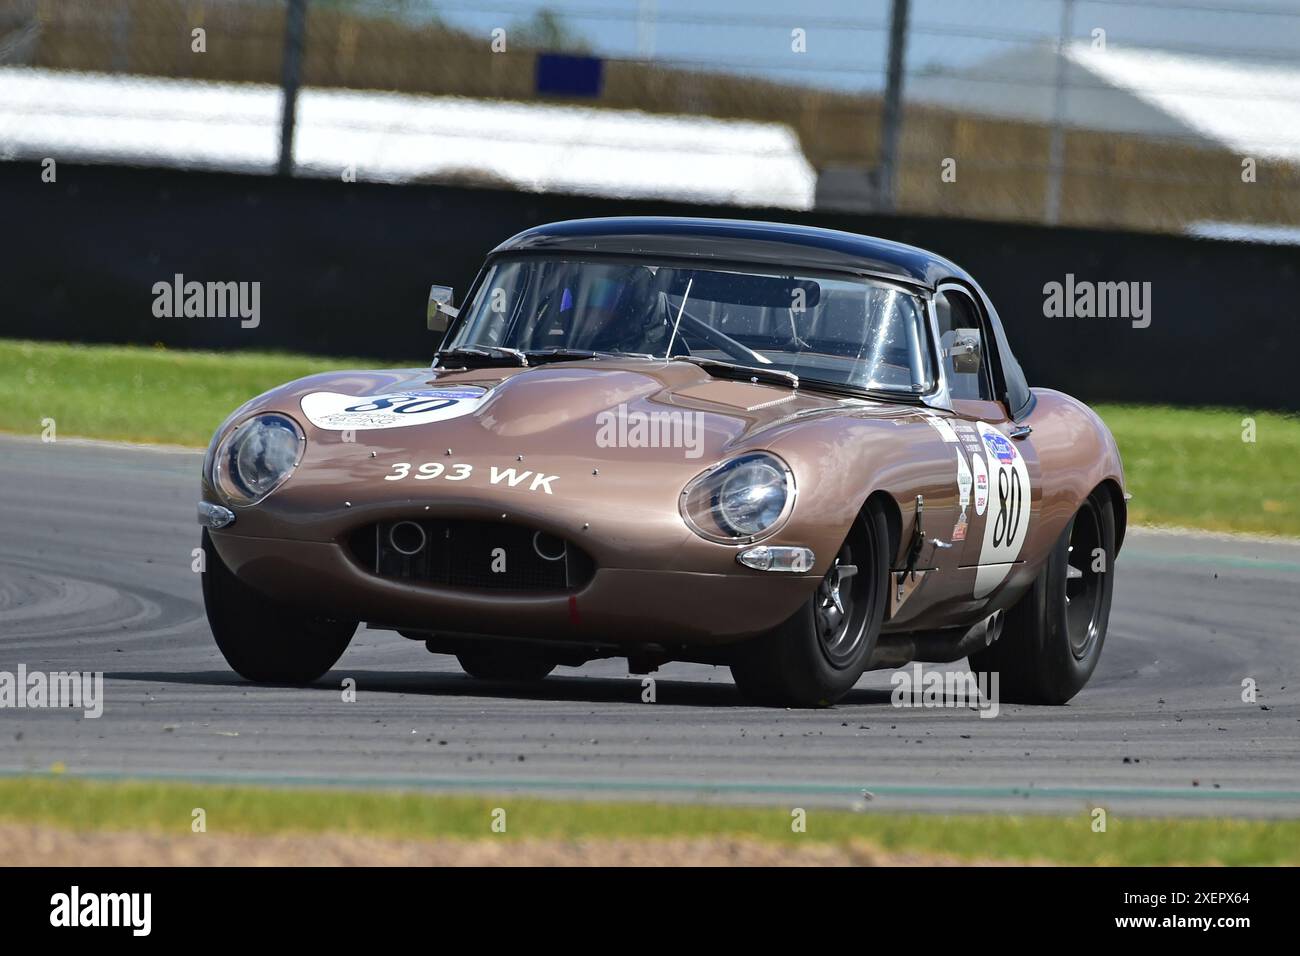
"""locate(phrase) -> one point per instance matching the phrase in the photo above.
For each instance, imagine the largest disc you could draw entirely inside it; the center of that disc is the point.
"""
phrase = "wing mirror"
(964, 351)
(441, 311)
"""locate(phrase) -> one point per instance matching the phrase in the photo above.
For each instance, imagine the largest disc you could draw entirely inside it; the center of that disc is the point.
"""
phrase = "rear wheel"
(505, 665)
(263, 640)
(814, 658)
(1052, 638)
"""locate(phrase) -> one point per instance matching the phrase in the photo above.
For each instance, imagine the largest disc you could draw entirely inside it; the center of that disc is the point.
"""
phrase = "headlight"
(257, 457)
(740, 500)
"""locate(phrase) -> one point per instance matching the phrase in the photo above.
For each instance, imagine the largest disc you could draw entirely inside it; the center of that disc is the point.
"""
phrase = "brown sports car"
(797, 452)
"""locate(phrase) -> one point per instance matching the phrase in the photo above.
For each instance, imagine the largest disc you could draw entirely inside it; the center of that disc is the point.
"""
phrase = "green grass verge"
(1192, 467)
(1185, 466)
(138, 394)
(167, 808)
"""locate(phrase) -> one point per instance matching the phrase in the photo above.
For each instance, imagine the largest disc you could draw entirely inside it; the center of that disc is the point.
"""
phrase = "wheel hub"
(1083, 585)
(835, 608)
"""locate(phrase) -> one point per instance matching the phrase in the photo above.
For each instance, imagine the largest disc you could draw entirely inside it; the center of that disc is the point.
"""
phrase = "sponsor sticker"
(999, 445)
(421, 406)
(981, 484)
(965, 481)
(943, 428)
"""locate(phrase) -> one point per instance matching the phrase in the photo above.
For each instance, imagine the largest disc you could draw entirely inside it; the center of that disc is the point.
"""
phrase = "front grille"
(472, 554)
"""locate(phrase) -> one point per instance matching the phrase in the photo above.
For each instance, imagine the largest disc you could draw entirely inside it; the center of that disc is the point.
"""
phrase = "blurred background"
(990, 130)
(1079, 112)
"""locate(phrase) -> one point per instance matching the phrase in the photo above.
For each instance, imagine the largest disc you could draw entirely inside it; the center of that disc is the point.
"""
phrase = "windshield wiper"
(564, 355)
(560, 354)
(846, 390)
(748, 373)
(482, 355)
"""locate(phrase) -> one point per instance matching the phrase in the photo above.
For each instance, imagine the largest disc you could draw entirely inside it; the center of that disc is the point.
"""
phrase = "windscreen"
(841, 329)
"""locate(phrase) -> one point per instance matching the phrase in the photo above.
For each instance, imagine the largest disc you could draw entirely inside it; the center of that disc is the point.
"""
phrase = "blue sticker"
(461, 392)
(1000, 447)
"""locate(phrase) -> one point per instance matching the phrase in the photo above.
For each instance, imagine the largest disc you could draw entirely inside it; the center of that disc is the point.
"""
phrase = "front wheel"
(1052, 637)
(814, 658)
(263, 640)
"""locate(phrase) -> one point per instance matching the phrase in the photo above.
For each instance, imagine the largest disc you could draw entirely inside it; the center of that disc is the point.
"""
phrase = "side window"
(962, 348)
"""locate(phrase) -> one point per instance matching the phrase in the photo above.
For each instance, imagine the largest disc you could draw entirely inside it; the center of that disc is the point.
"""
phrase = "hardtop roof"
(741, 240)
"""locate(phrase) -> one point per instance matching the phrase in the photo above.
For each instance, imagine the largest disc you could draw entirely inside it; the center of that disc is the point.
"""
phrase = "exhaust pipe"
(993, 627)
(936, 647)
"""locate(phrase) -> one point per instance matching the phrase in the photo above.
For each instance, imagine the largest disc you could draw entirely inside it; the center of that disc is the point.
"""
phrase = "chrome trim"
(537, 548)
(1022, 431)
(409, 553)
(792, 492)
(939, 396)
(222, 449)
(792, 560)
(215, 516)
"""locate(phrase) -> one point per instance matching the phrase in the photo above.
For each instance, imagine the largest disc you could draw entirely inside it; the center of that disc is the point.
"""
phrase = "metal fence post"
(291, 69)
(891, 119)
(1056, 149)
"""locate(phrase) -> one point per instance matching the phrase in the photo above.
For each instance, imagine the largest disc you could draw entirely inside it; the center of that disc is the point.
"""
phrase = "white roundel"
(1007, 523)
(420, 406)
(981, 483)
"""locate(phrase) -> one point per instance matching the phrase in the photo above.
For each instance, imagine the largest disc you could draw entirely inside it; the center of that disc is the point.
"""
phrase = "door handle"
(1021, 431)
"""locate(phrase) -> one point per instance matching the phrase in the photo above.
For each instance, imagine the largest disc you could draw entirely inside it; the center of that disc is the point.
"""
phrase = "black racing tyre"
(1052, 638)
(814, 658)
(263, 640)
(505, 665)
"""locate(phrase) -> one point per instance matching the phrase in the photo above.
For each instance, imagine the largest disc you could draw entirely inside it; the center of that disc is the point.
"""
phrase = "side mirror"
(964, 351)
(441, 311)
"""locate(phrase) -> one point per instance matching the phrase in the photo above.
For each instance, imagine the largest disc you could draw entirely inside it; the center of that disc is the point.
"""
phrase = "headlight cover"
(257, 457)
(740, 500)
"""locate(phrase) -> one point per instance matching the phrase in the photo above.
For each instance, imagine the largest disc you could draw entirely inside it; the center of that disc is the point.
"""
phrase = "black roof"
(742, 240)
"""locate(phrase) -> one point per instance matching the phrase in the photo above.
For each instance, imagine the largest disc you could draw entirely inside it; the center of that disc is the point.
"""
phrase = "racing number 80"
(410, 406)
(1010, 499)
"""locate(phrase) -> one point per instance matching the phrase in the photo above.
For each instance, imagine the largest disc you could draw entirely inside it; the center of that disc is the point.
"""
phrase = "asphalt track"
(95, 575)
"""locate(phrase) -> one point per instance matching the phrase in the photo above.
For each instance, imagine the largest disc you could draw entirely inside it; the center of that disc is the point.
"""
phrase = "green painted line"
(681, 786)
(1210, 560)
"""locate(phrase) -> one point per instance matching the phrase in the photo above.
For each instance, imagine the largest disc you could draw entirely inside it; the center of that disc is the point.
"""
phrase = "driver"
(638, 321)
